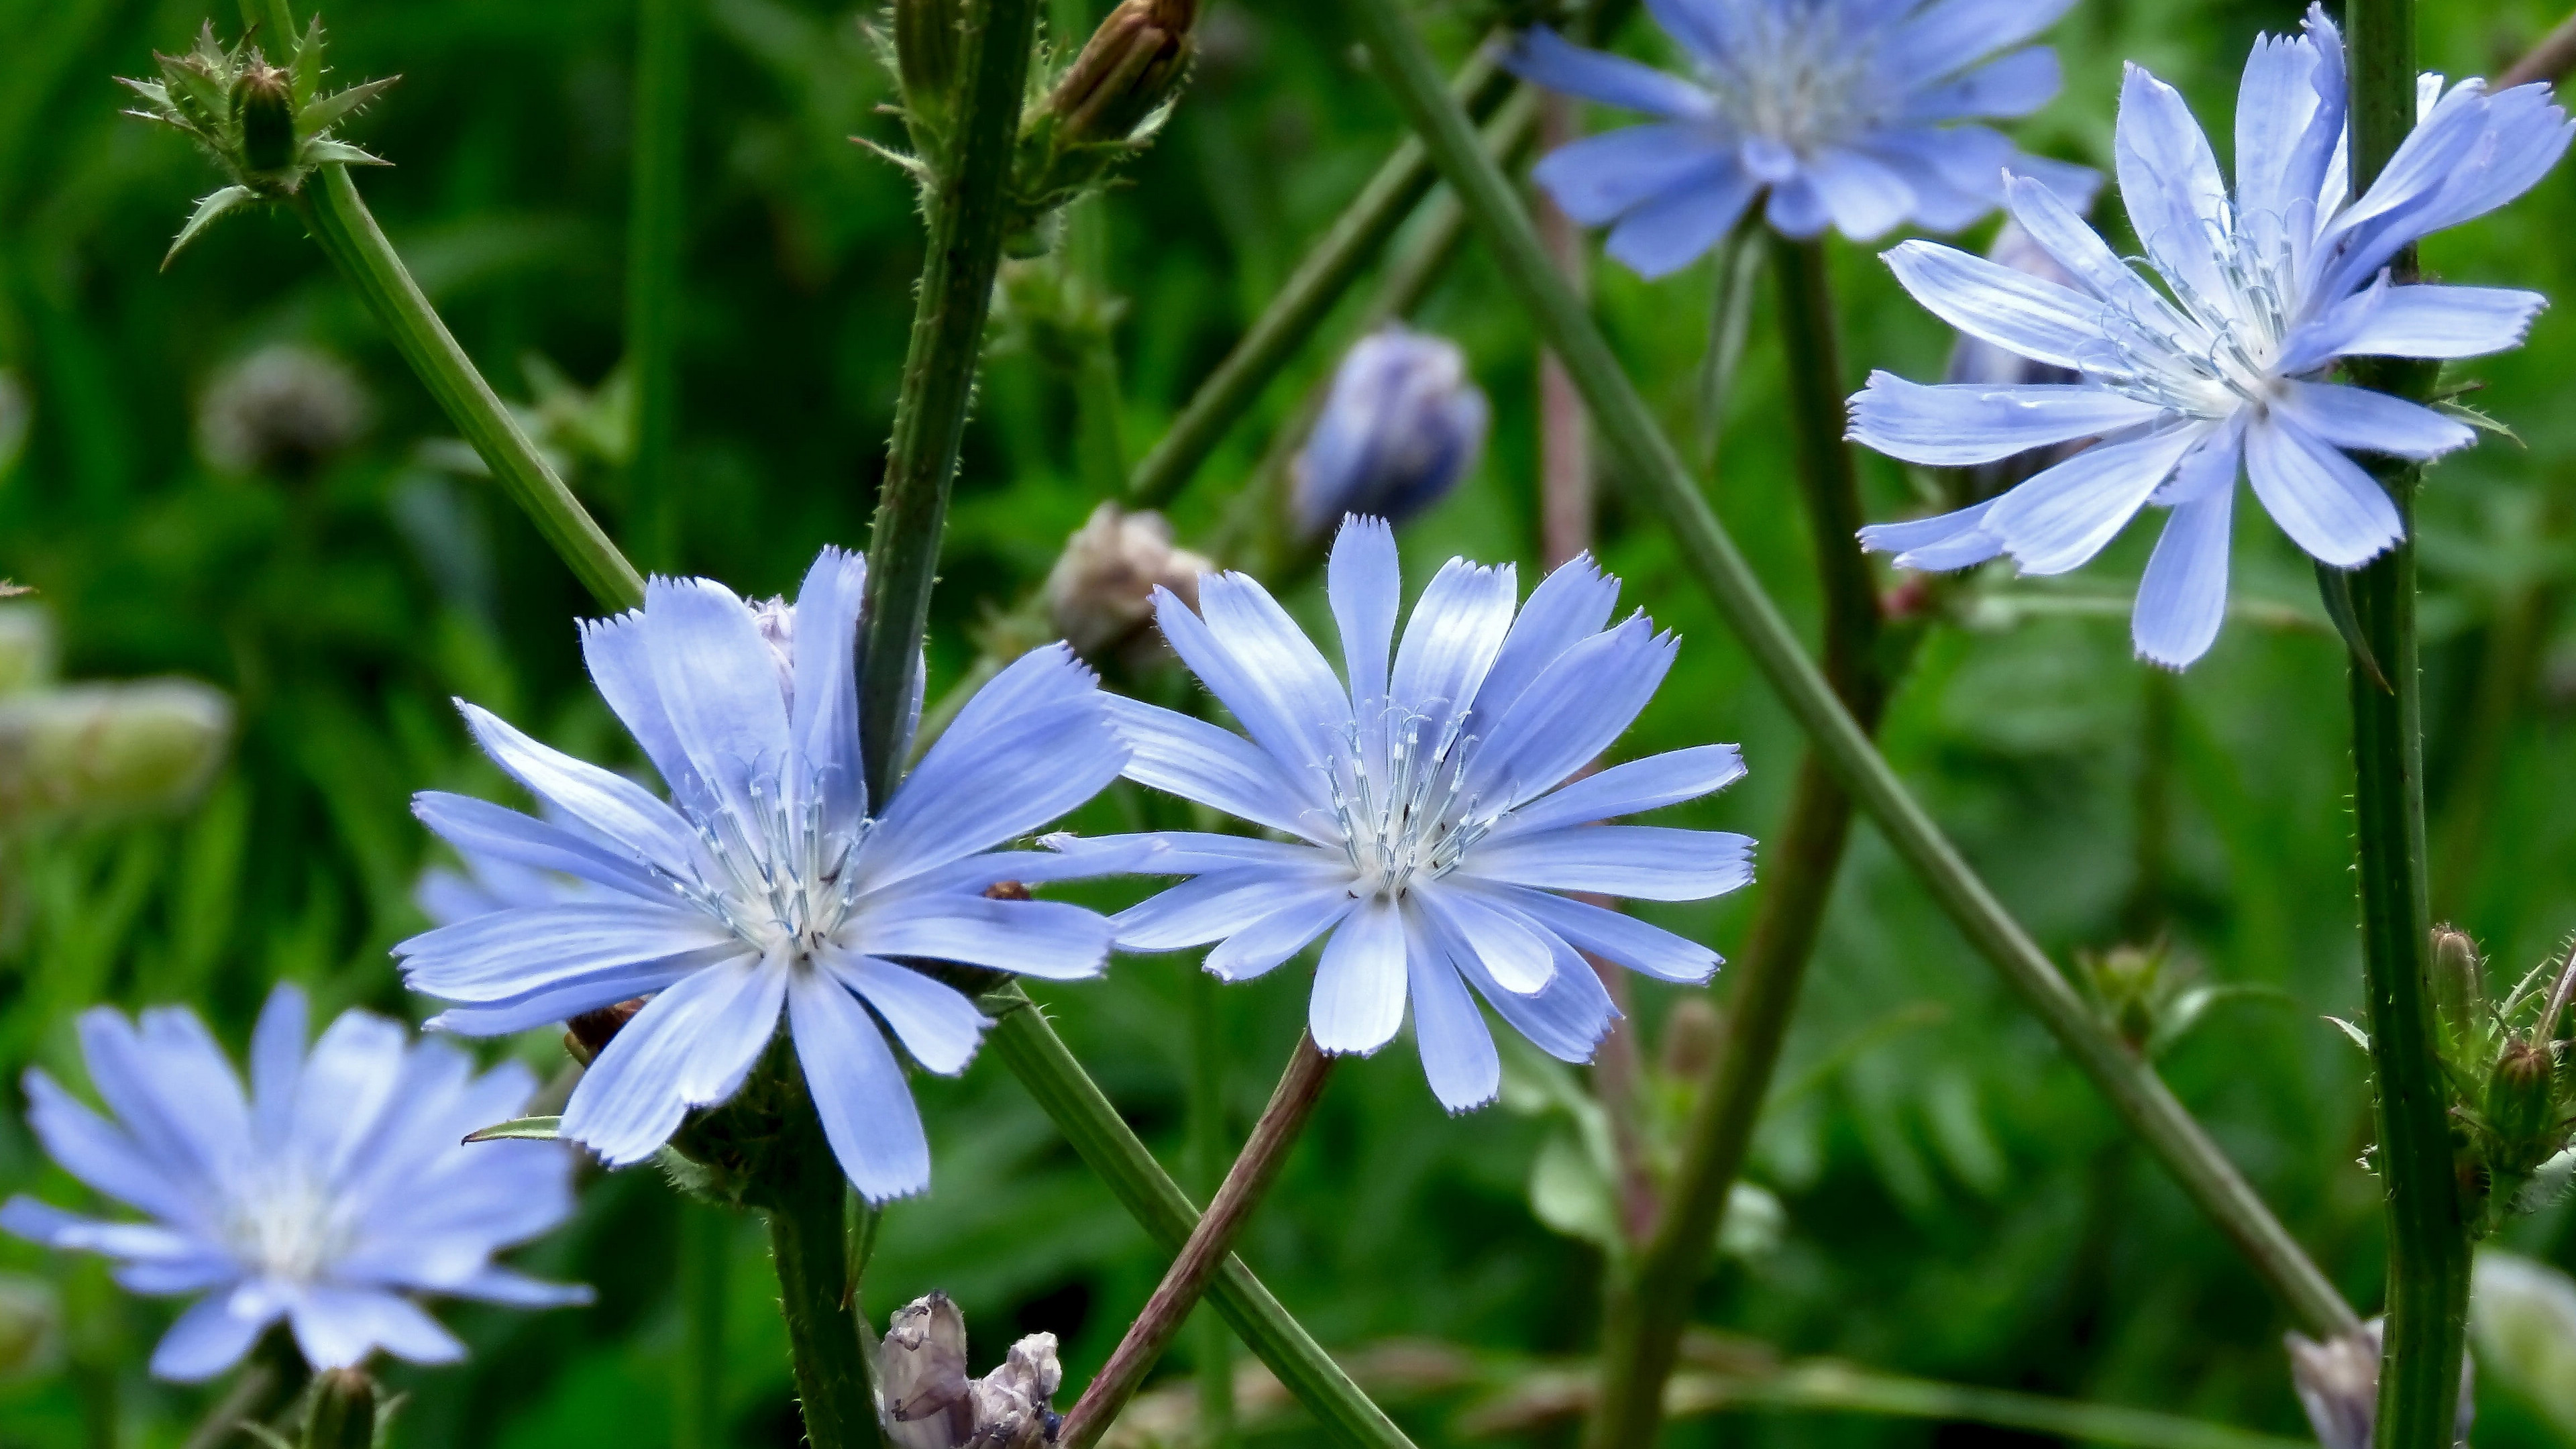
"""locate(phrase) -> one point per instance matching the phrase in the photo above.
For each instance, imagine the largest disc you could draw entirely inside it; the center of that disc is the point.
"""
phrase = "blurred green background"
(1955, 1202)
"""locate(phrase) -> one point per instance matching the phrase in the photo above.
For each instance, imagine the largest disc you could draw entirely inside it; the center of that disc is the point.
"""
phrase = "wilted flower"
(1100, 594)
(766, 885)
(285, 409)
(2338, 1384)
(927, 1402)
(1401, 426)
(336, 1189)
(1840, 111)
(1429, 835)
(2265, 291)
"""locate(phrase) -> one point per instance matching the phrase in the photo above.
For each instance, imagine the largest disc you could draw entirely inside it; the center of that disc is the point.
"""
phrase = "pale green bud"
(103, 751)
(344, 1411)
(26, 648)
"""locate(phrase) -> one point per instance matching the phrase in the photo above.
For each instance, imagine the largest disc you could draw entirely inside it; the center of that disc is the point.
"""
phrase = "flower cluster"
(2264, 290)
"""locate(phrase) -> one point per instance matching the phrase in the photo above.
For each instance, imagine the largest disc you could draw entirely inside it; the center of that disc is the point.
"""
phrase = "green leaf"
(215, 205)
(2334, 585)
(327, 152)
(521, 1129)
(2481, 421)
(321, 115)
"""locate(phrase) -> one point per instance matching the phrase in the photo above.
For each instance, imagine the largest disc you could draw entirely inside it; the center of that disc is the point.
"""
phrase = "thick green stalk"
(706, 1239)
(656, 220)
(2428, 1231)
(969, 213)
(1038, 1057)
(349, 235)
(808, 1242)
(1649, 463)
(1641, 1332)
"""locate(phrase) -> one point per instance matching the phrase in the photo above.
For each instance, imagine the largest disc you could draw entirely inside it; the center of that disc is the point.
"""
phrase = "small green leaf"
(322, 114)
(2334, 585)
(216, 204)
(2359, 1037)
(2481, 421)
(328, 152)
(520, 1129)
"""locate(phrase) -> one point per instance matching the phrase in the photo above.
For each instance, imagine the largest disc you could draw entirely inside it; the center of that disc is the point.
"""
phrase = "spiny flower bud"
(2521, 1096)
(1131, 65)
(285, 410)
(109, 750)
(344, 1411)
(1402, 425)
(264, 109)
(2459, 985)
(1100, 594)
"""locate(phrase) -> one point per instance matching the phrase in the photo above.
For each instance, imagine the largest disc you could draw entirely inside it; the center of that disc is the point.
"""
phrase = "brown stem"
(2546, 61)
(1246, 1183)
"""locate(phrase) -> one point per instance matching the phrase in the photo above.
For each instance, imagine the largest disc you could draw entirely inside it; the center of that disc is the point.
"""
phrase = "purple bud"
(1403, 424)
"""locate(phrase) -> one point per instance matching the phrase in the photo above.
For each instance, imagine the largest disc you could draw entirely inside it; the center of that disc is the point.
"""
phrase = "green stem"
(1214, 1347)
(1038, 1057)
(1649, 463)
(656, 220)
(1641, 1333)
(969, 212)
(706, 1238)
(808, 1243)
(2428, 1231)
(340, 221)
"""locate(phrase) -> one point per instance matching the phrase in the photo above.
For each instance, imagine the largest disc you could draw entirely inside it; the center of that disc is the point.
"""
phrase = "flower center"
(1795, 76)
(2217, 348)
(781, 881)
(1413, 818)
(285, 1224)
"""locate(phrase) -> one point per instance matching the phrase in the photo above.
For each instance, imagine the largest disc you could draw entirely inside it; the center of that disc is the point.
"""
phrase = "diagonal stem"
(2428, 1232)
(1650, 464)
(1210, 1243)
(970, 210)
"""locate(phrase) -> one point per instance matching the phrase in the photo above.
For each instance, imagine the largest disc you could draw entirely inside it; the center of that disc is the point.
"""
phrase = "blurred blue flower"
(2265, 291)
(339, 1186)
(1843, 111)
(1402, 425)
(766, 885)
(1426, 830)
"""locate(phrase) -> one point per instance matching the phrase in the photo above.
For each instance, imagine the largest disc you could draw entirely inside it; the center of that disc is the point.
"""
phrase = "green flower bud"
(26, 648)
(264, 111)
(1132, 64)
(2520, 1098)
(344, 1411)
(2459, 986)
(927, 47)
(103, 751)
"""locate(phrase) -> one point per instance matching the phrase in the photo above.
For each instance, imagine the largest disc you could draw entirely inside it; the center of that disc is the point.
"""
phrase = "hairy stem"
(1210, 1243)
(969, 213)
(656, 220)
(1213, 1345)
(808, 1243)
(2428, 1232)
(1075, 1103)
(1650, 464)
(706, 1235)
(1643, 1328)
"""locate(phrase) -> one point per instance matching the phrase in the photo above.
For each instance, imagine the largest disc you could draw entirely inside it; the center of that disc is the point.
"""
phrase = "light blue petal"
(1609, 934)
(1565, 1018)
(99, 1153)
(720, 684)
(354, 1073)
(2045, 214)
(1048, 939)
(611, 804)
(2321, 498)
(1457, 629)
(512, 954)
(824, 718)
(481, 828)
(1199, 762)
(1955, 424)
(1646, 862)
(1278, 660)
(1629, 789)
(1284, 733)
(1944, 37)
(1660, 236)
(1458, 1057)
(514, 1289)
(1864, 196)
(2007, 87)
(631, 1099)
(340, 1327)
(2183, 597)
(1598, 179)
(277, 1062)
(563, 1003)
(46, 1225)
(1707, 28)
(1358, 1002)
(1299, 918)
(867, 1110)
(2013, 310)
(2170, 182)
(619, 652)
(2064, 515)
(934, 1021)
(1796, 209)
(184, 1109)
(1570, 713)
(2430, 320)
(1216, 905)
(1513, 954)
(1946, 541)
(206, 1340)
(1541, 56)
(740, 1017)
(2276, 103)
(1188, 852)
(1568, 606)
(2370, 422)
(1364, 580)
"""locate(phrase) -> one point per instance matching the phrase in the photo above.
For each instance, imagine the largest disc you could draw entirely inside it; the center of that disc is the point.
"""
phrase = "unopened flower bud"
(927, 43)
(2338, 1384)
(1100, 594)
(285, 411)
(921, 1374)
(587, 1035)
(2459, 984)
(26, 647)
(31, 1326)
(1402, 425)
(264, 109)
(1692, 1030)
(344, 1411)
(2521, 1095)
(1131, 65)
(103, 751)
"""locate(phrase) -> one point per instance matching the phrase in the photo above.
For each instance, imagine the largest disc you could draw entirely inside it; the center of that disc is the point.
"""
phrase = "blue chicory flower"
(1423, 827)
(337, 1188)
(1401, 426)
(766, 885)
(2264, 292)
(1845, 112)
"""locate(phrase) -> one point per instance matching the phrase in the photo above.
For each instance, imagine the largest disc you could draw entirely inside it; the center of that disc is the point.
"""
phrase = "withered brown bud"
(264, 107)
(1100, 594)
(587, 1035)
(1131, 65)
(1007, 890)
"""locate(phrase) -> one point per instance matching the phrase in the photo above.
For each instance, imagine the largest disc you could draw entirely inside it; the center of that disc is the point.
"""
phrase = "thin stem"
(706, 1239)
(2428, 1231)
(1038, 1057)
(1649, 463)
(340, 221)
(969, 212)
(1642, 1331)
(808, 1243)
(1210, 1243)
(1214, 1346)
(2545, 61)
(656, 219)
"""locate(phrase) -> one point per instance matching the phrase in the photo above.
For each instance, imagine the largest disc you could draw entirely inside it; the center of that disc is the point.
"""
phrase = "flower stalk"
(970, 212)
(807, 1240)
(1292, 1102)
(1643, 1325)
(1650, 462)
(2428, 1230)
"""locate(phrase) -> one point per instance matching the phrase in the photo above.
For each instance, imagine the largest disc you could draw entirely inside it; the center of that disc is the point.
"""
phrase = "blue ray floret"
(335, 1190)
(1860, 115)
(766, 885)
(1422, 819)
(2263, 292)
